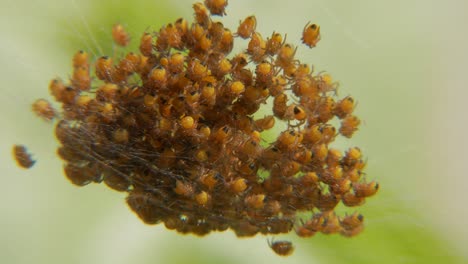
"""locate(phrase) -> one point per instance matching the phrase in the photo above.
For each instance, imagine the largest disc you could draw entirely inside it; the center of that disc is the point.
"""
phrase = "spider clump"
(175, 126)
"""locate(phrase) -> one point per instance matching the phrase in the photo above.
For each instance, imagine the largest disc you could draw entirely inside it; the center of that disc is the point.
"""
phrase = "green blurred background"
(404, 61)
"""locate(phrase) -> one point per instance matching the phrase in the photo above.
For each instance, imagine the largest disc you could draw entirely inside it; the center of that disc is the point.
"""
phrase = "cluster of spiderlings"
(173, 126)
